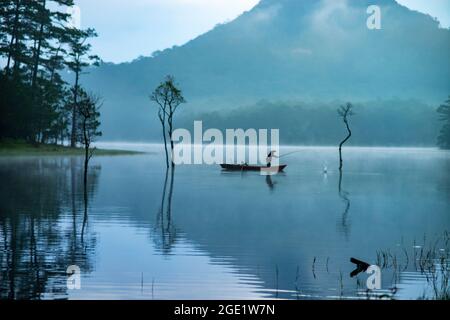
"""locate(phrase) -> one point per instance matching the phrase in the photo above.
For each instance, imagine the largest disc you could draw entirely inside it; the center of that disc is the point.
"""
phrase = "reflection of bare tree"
(344, 225)
(38, 227)
(81, 192)
(169, 205)
(166, 229)
(88, 189)
(73, 196)
(85, 215)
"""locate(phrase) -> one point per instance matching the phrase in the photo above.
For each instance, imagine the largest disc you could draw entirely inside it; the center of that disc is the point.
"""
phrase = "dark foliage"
(36, 43)
(444, 116)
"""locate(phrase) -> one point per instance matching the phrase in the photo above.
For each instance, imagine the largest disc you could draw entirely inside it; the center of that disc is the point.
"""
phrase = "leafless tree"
(89, 106)
(345, 112)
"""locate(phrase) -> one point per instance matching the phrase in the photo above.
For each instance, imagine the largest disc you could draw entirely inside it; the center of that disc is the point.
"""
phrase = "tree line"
(37, 43)
(444, 117)
(391, 122)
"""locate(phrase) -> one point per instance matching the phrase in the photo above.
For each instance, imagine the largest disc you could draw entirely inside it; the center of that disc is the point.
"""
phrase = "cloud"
(333, 17)
(266, 14)
(327, 9)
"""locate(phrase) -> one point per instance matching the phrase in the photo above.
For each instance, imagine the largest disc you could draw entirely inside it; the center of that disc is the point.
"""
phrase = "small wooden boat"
(245, 167)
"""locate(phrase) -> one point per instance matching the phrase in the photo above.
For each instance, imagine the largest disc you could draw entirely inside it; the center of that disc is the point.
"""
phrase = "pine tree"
(36, 43)
(17, 27)
(78, 59)
(48, 39)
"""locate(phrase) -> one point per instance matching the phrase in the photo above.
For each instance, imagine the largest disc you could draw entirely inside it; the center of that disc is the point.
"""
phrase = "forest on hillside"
(392, 122)
(48, 72)
(38, 40)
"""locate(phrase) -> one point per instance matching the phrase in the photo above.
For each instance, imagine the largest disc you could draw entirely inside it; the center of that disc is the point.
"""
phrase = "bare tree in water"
(345, 112)
(168, 97)
(89, 124)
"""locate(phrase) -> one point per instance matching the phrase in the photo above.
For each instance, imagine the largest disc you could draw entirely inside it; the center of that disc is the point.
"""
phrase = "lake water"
(208, 234)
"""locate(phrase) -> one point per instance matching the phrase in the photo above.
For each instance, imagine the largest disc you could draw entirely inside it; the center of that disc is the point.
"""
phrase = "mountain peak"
(309, 3)
(294, 50)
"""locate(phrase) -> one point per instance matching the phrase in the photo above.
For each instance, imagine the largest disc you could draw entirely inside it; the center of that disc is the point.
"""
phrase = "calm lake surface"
(208, 234)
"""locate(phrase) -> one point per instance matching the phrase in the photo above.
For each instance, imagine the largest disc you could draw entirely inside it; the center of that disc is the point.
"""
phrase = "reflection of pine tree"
(39, 235)
(444, 136)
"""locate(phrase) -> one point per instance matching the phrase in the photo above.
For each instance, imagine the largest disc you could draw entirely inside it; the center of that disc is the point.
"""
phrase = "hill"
(284, 50)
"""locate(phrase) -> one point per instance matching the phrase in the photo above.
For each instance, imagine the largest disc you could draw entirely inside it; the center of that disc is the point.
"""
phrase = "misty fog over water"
(234, 235)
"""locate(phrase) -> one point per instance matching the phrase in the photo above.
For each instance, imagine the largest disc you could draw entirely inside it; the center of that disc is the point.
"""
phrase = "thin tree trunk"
(53, 70)
(16, 65)
(86, 151)
(170, 137)
(73, 137)
(86, 162)
(13, 35)
(341, 164)
(37, 55)
(8, 63)
(163, 124)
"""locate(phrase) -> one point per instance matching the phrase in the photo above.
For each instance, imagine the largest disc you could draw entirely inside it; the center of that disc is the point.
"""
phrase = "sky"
(132, 28)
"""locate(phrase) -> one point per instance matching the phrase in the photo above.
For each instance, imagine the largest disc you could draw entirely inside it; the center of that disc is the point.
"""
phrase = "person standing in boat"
(269, 158)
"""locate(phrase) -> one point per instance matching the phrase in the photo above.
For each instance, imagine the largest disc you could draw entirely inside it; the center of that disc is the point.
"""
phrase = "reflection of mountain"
(284, 50)
(41, 214)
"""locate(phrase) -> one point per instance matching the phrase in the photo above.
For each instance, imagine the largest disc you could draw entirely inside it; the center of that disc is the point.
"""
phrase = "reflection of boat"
(244, 167)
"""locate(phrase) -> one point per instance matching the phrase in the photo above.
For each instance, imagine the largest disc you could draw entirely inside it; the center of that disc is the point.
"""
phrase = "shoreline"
(21, 148)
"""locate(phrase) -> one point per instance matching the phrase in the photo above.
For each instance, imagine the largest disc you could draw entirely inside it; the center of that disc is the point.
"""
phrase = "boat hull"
(238, 167)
